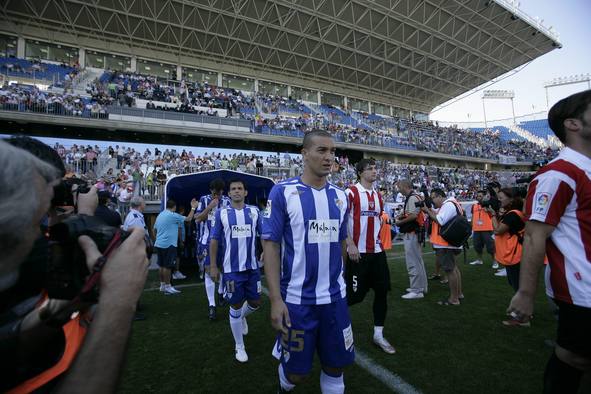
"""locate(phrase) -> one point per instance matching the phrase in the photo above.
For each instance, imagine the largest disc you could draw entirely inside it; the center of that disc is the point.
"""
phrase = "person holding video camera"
(482, 229)
(508, 226)
(51, 343)
(408, 223)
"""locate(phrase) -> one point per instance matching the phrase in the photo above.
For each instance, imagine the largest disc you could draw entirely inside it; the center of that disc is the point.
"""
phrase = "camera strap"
(95, 275)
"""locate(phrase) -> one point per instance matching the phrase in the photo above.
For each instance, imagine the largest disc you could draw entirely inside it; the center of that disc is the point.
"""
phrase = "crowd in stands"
(60, 75)
(30, 98)
(123, 88)
(146, 172)
(271, 114)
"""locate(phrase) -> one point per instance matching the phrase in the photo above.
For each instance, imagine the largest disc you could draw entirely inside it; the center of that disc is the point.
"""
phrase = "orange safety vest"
(437, 239)
(508, 249)
(385, 232)
(74, 333)
(481, 220)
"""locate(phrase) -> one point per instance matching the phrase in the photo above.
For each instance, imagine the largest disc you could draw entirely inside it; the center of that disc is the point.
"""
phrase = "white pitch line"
(389, 379)
(178, 286)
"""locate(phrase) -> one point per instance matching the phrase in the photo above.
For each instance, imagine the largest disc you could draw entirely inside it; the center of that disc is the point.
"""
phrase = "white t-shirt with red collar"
(560, 195)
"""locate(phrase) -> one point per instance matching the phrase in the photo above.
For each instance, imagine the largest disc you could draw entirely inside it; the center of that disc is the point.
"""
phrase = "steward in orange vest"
(509, 228)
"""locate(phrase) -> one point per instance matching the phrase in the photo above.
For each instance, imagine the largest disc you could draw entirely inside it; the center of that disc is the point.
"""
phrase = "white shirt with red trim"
(560, 195)
(365, 208)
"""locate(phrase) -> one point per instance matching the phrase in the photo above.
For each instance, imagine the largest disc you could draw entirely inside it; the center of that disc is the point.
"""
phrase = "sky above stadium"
(570, 19)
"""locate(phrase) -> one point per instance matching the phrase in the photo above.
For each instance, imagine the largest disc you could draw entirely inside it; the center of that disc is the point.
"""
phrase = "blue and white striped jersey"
(206, 226)
(310, 225)
(237, 230)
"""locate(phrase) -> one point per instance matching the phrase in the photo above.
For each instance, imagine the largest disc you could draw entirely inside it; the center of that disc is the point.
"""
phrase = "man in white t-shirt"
(444, 252)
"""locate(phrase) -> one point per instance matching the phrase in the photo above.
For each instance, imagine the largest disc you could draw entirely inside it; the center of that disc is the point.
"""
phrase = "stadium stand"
(56, 74)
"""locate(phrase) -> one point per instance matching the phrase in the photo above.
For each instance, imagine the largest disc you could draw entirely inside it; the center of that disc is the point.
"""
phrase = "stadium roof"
(408, 53)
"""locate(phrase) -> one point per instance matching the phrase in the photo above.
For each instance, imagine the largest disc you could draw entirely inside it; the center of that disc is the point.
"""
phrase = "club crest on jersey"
(339, 203)
(267, 211)
(372, 205)
(542, 203)
(252, 215)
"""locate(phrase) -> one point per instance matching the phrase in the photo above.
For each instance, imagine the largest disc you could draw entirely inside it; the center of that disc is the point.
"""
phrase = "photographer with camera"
(408, 223)
(482, 229)
(508, 225)
(50, 342)
(446, 211)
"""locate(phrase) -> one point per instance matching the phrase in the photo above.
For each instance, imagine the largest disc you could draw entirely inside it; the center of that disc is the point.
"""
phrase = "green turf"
(440, 349)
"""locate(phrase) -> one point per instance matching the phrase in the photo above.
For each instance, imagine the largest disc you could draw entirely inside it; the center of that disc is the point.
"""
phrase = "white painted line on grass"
(178, 286)
(389, 379)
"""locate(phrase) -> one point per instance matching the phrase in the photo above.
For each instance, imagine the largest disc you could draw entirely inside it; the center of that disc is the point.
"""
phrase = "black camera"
(66, 269)
(494, 203)
(419, 204)
(63, 193)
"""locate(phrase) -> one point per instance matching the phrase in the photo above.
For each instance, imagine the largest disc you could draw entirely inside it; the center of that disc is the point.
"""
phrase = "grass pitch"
(440, 349)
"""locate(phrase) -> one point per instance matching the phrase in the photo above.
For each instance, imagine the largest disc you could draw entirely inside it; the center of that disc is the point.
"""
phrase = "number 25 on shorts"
(293, 341)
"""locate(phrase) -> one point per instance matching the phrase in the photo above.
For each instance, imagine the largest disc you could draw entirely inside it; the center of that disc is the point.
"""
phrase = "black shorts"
(574, 326)
(370, 272)
(166, 257)
(482, 239)
(447, 258)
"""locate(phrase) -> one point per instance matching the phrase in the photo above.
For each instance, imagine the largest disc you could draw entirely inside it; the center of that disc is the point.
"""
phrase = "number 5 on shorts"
(295, 337)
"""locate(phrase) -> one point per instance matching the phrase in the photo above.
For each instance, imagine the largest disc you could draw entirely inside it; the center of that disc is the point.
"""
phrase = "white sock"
(378, 332)
(331, 385)
(247, 309)
(210, 289)
(220, 287)
(236, 325)
(283, 381)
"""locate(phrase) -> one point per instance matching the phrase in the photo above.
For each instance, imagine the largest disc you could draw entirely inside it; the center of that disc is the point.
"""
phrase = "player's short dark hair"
(308, 137)
(217, 184)
(170, 204)
(572, 106)
(40, 150)
(363, 164)
(237, 180)
(438, 192)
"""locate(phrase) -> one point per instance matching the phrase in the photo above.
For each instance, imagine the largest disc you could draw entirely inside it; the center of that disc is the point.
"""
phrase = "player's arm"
(532, 261)
(213, 254)
(189, 217)
(204, 211)
(544, 216)
(279, 313)
(214, 238)
(272, 236)
(351, 249)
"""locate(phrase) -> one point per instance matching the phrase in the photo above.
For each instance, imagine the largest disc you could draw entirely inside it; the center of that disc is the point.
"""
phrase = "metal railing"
(143, 114)
(178, 116)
